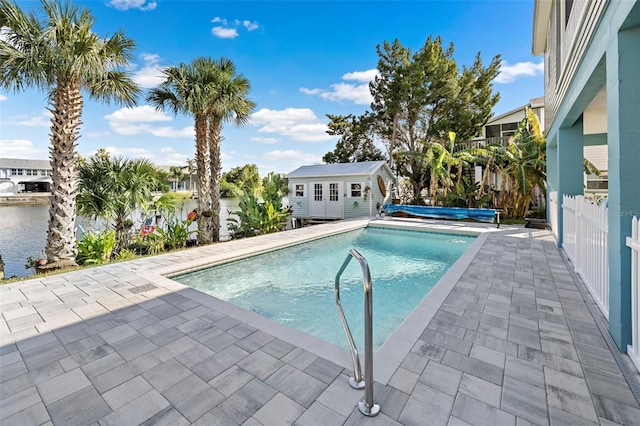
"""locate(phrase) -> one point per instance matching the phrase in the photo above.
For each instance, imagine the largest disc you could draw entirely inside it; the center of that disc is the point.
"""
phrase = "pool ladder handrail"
(366, 405)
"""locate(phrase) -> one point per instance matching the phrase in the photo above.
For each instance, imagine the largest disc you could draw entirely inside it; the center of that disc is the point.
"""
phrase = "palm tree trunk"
(215, 143)
(204, 193)
(66, 110)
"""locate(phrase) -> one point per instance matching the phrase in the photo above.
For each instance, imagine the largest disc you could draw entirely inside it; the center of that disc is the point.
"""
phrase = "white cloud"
(229, 29)
(164, 157)
(357, 93)
(509, 73)
(310, 91)
(138, 120)
(98, 134)
(21, 148)
(3, 98)
(144, 114)
(300, 124)
(42, 120)
(291, 154)
(362, 76)
(250, 26)
(151, 74)
(133, 4)
(222, 32)
(266, 141)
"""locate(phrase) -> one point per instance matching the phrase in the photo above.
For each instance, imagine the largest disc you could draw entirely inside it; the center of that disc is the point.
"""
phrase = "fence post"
(580, 228)
(633, 242)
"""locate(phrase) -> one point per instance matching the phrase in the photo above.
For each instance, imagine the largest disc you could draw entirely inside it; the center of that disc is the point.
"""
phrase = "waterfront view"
(23, 231)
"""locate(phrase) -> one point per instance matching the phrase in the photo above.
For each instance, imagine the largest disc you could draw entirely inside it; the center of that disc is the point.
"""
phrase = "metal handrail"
(366, 405)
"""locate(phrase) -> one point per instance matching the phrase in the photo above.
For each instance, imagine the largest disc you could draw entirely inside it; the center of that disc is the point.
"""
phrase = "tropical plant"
(212, 92)
(113, 188)
(63, 56)
(96, 247)
(260, 217)
(175, 233)
(191, 169)
(523, 167)
(229, 103)
(176, 174)
(187, 90)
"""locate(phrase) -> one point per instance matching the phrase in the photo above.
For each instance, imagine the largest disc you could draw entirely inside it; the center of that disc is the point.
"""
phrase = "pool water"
(295, 286)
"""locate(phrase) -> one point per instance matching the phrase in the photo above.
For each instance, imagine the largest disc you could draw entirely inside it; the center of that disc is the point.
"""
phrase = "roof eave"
(541, 18)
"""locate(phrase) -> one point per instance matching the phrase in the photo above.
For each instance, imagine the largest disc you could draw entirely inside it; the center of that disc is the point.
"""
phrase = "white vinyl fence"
(633, 350)
(553, 213)
(584, 235)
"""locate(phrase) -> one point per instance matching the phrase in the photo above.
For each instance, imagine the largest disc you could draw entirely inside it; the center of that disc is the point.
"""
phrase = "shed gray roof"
(22, 163)
(337, 169)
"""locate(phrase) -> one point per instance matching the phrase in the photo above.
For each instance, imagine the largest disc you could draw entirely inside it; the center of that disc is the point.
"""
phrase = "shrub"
(96, 247)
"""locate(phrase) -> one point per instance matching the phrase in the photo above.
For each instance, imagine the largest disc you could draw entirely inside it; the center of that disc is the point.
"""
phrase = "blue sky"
(304, 59)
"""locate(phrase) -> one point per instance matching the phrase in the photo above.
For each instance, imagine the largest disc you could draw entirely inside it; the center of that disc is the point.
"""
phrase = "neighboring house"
(20, 176)
(339, 191)
(182, 184)
(592, 99)
(500, 130)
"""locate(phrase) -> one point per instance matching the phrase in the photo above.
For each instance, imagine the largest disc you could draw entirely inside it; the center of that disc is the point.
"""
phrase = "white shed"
(340, 191)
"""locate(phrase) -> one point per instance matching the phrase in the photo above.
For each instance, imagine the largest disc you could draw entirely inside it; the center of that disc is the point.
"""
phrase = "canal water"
(23, 231)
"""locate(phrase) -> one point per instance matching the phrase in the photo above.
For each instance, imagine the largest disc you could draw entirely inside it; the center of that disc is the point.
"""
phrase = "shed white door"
(326, 200)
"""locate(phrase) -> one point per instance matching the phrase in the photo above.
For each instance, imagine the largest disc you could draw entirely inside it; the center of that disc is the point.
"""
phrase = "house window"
(598, 183)
(493, 131)
(299, 189)
(355, 190)
(19, 172)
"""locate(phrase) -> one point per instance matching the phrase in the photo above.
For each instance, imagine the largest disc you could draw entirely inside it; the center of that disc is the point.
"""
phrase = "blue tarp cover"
(455, 213)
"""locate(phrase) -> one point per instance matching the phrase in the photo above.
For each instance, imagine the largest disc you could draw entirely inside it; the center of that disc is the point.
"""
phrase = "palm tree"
(186, 90)
(229, 103)
(113, 188)
(64, 57)
(176, 173)
(191, 169)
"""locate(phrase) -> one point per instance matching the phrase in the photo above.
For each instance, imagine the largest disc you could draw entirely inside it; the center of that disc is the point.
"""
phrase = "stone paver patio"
(506, 338)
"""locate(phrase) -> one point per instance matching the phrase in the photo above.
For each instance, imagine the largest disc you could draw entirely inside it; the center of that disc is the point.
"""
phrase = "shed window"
(299, 190)
(355, 190)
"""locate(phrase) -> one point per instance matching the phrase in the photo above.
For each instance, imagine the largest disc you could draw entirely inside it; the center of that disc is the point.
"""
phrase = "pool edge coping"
(391, 354)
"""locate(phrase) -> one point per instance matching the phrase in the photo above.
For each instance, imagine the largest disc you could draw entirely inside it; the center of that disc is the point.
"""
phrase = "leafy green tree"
(355, 143)
(420, 97)
(113, 188)
(63, 56)
(241, 178)
(176, 174)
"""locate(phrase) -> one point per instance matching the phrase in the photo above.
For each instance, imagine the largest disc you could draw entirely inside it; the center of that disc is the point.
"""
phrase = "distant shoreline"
(24, 199)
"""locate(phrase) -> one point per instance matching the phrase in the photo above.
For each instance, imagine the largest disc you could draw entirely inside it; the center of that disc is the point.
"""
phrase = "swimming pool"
(294, 286)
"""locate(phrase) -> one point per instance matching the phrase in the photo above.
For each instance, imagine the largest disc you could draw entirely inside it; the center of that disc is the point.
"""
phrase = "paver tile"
(300, 387)
(280, 410)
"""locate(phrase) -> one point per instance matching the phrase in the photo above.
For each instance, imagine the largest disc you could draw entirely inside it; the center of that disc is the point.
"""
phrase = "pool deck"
(508, 337)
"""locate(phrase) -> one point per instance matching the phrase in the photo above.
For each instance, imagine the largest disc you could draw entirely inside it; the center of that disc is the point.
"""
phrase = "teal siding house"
(592, 98)
(340, 191)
